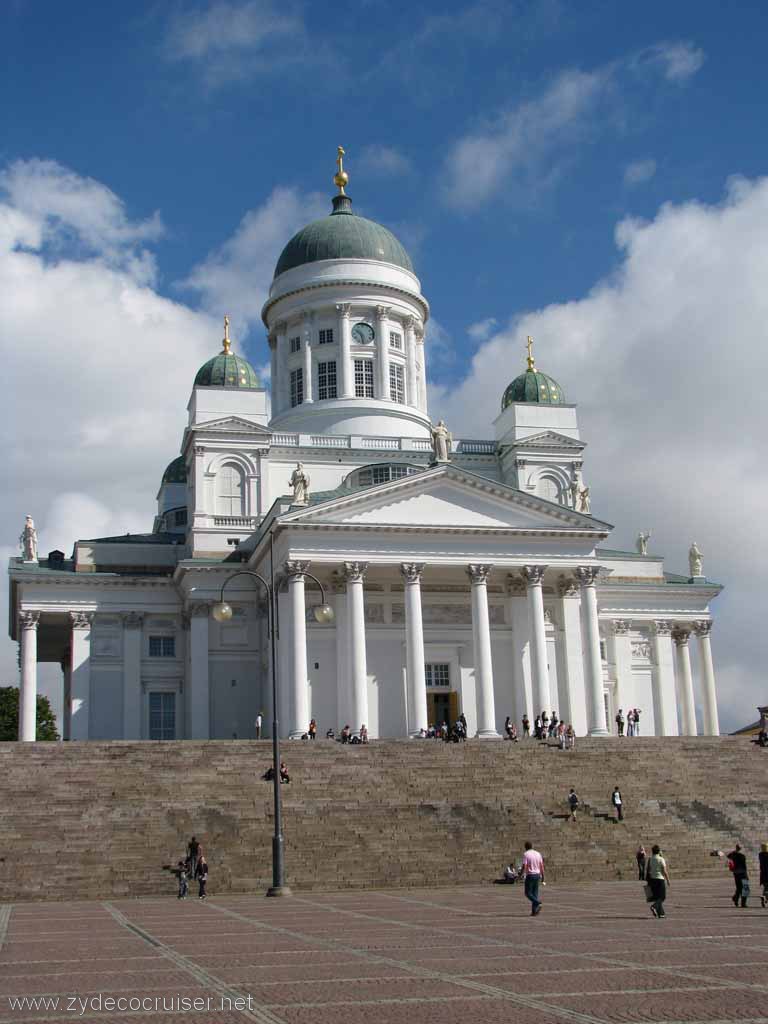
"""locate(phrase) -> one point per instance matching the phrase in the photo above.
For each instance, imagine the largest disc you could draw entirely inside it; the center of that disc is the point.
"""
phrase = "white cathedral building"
(466, 576)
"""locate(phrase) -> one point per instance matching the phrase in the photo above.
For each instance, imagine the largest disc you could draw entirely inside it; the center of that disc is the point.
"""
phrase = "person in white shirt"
(617, 803)
(258, 724)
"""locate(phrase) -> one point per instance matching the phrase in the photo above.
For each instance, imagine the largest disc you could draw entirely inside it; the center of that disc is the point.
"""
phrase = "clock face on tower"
(363, 334)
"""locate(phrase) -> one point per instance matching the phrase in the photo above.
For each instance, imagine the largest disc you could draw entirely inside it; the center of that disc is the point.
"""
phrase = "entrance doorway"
(442, 707)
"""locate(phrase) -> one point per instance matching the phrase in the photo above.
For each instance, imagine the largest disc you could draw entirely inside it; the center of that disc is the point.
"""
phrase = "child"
(181, 871)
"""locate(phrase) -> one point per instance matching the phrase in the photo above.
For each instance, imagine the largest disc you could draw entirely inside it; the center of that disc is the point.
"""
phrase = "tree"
(9, 716)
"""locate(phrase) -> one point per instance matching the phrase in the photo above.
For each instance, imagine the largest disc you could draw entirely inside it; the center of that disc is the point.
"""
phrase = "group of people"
(617, 801)
(269, 774)
(545, 727)
(456, 733)
(737, 865)
(632, 722)
(193, 867)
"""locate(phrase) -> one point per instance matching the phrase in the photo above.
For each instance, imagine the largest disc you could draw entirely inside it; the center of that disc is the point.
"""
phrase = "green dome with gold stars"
(226, 370)
(533, 386)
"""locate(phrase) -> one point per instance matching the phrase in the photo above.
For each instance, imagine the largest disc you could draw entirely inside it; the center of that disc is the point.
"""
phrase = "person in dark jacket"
(763, 858)
(738, 865)
(201, 874)
(641, 858)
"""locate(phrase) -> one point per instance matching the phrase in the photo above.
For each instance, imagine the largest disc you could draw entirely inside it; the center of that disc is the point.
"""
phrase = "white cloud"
(666, 359)
(678, 61)
(378, 159)
(639, 171)
(483, 329)
(236, 277)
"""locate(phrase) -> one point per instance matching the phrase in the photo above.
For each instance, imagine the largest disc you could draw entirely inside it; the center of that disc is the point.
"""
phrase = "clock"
(363, 334)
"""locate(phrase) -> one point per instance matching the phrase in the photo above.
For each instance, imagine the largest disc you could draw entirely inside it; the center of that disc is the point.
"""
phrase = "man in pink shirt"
(533, 873)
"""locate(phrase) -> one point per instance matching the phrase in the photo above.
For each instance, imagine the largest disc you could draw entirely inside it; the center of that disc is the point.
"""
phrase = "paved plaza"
(472, 954)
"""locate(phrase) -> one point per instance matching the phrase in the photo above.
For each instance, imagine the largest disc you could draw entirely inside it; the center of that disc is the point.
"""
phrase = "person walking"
(181, 874)
(258, 724)
(570, 737)
(657, 877)
(201, 874)
(617, 803)
(737, 862)
(763, 859)
(573, 803)
(641, 858)
(533, 876)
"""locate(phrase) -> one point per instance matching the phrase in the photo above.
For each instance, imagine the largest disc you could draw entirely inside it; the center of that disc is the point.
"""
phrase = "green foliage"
(9, 716)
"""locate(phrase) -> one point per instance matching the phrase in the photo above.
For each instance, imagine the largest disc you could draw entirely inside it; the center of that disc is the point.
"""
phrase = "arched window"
(230, 492)
(549, 489)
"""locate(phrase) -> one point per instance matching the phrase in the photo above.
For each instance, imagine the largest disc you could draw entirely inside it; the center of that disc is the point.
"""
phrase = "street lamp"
(323, 613)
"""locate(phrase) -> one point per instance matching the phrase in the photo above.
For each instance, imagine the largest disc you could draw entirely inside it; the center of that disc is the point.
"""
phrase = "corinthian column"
(702, 629)
(354, 573)
(533, 575)
(28, 689)
(586, 575)
(663, 680)
(306, 341)
(681, 635)
(481, 637)
(345, 350)
(414, 648)
(410, 360)
(299, 679)
(382, 347)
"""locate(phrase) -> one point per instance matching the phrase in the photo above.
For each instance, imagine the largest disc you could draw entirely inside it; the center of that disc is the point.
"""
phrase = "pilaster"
(199, 671)
(299, 678)
(132, 637)
(344, 309)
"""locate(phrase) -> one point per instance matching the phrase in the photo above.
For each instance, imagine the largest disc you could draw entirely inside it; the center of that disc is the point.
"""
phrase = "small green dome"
(342, 235)
(533, 386)
(227, 370)
(176, 472)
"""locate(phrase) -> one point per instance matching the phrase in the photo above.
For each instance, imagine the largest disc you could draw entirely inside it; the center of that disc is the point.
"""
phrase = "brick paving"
(593, 956)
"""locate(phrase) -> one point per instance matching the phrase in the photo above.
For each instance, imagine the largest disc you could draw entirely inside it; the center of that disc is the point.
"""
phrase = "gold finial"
(340, 178)
(529, 346)
(227, 343)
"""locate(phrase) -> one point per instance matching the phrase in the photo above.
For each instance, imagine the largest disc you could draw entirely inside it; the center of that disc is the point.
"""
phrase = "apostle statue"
(585, 502)
(28, 540)
(642, 542)
(300, 483)
(575, 488)
(441, 442)
(695, 561)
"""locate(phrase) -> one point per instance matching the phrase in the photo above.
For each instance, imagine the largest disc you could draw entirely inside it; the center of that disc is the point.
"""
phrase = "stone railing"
(242, 522)
(393, 444)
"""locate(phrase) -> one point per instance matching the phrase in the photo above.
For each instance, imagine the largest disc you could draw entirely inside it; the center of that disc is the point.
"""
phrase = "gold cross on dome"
(227, 343)
(529, 346)
(341, 178)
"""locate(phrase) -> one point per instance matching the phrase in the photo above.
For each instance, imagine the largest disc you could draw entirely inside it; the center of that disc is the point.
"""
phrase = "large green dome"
(533, 386)
(227, 370)
(342, 235)
(176, 471)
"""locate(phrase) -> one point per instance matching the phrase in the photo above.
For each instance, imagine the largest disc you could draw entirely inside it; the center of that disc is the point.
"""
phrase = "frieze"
(446, 614)
(641, 649)
(398, 614)
(132, 620)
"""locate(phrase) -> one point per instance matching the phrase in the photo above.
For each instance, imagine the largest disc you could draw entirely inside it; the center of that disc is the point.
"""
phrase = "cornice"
(345, 283)
(91, 579)
(504, 531)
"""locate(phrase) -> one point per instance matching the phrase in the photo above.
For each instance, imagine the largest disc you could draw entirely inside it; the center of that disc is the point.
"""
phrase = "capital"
(81, 620)
(281, 327)
(296, 570)
(29, 620)
(344, 309)
(479, 574)
(354, 571)
(587, 574)
(410, 323)
(680, 635)
(411, 571)
(662, 627)
(382, 312)
(620, 627)
(132, 620)
(198, 609)
(308, 316)
(567, 587)
(533, 574)
(199, 450)
(702, 627)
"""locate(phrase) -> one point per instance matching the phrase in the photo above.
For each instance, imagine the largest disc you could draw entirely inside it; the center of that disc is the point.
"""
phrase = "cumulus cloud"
(483, 329)
(639, 172)
(378, 159)
(665, 359)
(678, 61)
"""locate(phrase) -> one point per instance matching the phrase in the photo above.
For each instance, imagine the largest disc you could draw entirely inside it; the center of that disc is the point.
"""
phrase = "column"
(298, 679)
(586, 575)
(572, 657)
(680, 635)
(481, 642)
(81, 674)
(414, 648)
(542, 701)
(382, 342)
(703, 629)
(521, 648)
(306, 344)
(28, 621)
(421, 371)
(410, 361)
(273, 371)
(132, 636)
(281, 390)
(346, 374)
(620, 654)
(343, 686)
(66, 713)
(663, 679)
(354, 573)
(199, 677)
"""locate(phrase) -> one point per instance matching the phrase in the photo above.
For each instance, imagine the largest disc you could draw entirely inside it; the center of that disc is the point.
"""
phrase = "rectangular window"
(437, 674)
(363, 378)
(180, 517)
(396, 383)
(395, 340)
(162, 647)
(295, 344)
(297, 386)
(603, 650)
(162, 716)
(326, 336)
(326, 380)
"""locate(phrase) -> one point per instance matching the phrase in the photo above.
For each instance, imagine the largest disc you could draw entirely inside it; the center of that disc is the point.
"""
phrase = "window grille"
(297, 386)
(363, 378)
(230, 492)
(326, 380)
(162, 647)
(325, 336)
(162, 716)
(295, 344)
(395, 340)
(397, 383)
(437, 674)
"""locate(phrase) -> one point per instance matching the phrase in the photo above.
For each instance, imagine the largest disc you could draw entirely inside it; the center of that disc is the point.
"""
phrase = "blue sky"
(591, 173)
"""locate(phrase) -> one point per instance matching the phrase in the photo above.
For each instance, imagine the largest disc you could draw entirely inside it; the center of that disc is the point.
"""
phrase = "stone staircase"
(101, 819)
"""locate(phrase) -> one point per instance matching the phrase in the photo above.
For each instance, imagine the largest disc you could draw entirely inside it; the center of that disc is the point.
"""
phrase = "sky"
(593, 174)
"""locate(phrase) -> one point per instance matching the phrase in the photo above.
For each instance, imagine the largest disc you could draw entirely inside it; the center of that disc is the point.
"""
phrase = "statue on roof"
(28, 540)
(441, 442)
(695, 560)
(299, 482)
(585, 502)
(642, 542)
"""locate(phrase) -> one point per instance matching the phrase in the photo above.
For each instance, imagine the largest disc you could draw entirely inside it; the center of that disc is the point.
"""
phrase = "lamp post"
(323, 612)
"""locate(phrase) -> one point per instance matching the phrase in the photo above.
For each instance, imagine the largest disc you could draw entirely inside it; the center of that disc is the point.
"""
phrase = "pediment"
(446, 498)
(549, 439)
(233, 424)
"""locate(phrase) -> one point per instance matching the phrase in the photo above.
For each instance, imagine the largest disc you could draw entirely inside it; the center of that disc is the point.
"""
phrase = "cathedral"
(405, 576)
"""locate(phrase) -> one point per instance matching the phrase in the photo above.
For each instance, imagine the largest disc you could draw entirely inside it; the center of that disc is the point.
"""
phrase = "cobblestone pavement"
(473, 954)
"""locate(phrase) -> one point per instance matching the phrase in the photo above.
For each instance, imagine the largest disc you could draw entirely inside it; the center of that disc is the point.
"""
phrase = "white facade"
(472, 586)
